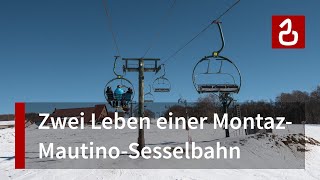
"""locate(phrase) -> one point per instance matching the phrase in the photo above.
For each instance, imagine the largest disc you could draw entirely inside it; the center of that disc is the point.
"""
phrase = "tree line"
(297, 106)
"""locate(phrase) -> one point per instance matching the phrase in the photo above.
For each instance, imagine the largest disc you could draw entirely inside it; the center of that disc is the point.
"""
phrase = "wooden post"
(141, 140)
(225, 110)
(226, 101)
(141, 70)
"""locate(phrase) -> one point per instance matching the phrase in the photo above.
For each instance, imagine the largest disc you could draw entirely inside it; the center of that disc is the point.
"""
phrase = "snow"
(311, 171)
(7, 122)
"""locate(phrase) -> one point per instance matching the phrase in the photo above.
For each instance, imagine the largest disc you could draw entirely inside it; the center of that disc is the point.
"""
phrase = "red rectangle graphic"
(19, 135)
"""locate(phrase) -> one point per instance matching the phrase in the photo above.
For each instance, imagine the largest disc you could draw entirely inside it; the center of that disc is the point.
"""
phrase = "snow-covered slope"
(312, 170)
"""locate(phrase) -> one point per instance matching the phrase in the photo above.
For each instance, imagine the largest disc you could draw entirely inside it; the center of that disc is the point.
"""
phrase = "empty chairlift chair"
(226, 79)
(148, 97)
(216, 73)
(161, 84)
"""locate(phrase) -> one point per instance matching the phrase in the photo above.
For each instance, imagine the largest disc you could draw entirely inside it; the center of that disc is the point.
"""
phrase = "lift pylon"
(138, 65)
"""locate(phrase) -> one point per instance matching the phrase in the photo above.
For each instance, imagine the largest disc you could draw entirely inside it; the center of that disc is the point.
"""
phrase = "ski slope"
(312, 170)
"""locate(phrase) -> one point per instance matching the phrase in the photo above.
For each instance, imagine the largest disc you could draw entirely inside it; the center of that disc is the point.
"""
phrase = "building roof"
(75, 112)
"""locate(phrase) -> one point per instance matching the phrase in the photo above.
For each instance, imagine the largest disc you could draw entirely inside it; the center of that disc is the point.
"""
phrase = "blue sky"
(62, 51)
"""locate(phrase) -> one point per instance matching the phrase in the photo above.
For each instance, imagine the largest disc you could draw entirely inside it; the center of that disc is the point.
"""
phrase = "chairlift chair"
(148, 97)
(161, 84)
(232, 85)
(225, 68)
(125, 84)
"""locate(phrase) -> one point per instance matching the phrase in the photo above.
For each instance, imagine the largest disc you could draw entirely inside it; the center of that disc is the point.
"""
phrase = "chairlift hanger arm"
(114, 67)
(221, 36)
(159, 68)
(149, 92)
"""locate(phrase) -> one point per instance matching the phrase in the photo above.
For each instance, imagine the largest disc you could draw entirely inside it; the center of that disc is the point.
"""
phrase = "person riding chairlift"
(126, 98)
(118, 93)
(110, 96)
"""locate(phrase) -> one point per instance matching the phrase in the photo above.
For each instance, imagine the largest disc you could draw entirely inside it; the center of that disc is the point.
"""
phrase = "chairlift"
(161, 84)
(120, 100)
(148, 97)
(225, 79)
